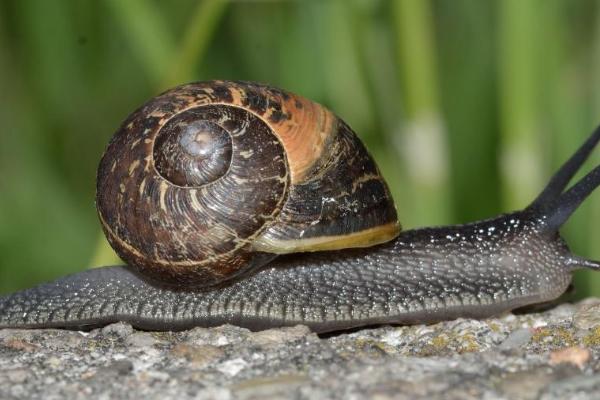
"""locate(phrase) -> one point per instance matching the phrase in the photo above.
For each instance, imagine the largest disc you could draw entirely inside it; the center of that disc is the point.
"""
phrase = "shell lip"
(365, 238)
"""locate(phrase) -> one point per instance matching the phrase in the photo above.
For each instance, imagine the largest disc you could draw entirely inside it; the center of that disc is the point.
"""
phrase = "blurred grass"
(422, 130)
(468, 106)
(519, 40)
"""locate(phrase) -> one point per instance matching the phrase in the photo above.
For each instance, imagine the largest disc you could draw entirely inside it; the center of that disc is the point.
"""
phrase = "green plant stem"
(422, 142)
(520, 160)
(148, 34)
(196, 39)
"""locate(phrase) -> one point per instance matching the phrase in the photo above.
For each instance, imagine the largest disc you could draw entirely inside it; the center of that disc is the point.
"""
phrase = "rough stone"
(119, 329)
(588, 315)
(141, 339)
(516, 339)
(554, 354)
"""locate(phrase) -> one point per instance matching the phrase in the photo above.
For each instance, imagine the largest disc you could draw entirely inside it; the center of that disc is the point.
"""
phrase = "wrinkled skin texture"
(425, 275)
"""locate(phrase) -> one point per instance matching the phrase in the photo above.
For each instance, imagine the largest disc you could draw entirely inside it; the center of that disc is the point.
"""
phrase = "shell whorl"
(191, 151)
(210, 179)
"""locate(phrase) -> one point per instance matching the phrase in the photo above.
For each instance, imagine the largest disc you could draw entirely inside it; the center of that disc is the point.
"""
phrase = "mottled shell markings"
(133, 166)
(212, 170)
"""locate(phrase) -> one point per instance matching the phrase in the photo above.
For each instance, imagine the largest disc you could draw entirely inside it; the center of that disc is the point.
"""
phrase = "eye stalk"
(555, 205)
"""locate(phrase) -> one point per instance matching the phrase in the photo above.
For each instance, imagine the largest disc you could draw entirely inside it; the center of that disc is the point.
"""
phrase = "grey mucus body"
(424, 275)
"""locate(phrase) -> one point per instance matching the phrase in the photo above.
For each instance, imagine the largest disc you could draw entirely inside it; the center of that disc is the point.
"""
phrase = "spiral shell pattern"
(197, 175)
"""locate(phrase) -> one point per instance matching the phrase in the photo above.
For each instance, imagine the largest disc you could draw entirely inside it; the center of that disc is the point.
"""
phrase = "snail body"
(321, 246)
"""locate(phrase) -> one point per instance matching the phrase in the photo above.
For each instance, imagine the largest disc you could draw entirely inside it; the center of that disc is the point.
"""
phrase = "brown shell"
(293, 177)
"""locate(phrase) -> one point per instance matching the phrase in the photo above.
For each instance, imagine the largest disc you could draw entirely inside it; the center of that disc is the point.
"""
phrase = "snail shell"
(210, 180)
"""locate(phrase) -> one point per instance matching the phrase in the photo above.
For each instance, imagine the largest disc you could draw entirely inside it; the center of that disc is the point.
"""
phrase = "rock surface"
(549, 355)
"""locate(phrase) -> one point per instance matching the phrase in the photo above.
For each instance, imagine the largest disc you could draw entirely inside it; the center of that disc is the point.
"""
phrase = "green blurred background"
(467, 105)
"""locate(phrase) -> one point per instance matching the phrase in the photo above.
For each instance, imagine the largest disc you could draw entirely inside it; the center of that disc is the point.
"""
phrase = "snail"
(235, 202)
